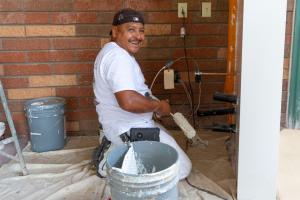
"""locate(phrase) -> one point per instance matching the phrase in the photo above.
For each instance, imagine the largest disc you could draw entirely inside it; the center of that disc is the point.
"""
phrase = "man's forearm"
(132, 101)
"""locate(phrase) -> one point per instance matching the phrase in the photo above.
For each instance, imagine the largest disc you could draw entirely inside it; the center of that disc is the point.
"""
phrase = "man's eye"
(131, 30)
(142, 30)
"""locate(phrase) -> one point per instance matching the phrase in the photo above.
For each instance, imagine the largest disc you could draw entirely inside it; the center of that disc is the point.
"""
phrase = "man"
(121, 93)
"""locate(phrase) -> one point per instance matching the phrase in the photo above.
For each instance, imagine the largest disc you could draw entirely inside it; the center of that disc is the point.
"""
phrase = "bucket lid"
(45, 103)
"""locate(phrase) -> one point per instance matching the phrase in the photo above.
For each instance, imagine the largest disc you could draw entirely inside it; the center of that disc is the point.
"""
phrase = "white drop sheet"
(69, 174)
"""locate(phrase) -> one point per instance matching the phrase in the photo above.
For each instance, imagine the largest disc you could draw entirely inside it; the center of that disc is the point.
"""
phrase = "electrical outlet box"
(206, 9)
(182, 10)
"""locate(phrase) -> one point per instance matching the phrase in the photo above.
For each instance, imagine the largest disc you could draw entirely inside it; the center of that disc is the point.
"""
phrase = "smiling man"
(121, 94)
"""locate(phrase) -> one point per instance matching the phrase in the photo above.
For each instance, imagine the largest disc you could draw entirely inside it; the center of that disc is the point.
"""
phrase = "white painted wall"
(260, 100)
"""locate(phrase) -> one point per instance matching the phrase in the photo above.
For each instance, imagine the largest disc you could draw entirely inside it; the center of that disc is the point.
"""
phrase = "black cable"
(204, 190)
(188, 71)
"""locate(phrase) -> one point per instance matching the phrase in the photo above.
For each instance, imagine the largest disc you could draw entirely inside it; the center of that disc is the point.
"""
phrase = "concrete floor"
(213, 161)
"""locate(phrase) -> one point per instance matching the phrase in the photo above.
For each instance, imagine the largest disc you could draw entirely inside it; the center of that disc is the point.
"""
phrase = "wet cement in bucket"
(156, 177)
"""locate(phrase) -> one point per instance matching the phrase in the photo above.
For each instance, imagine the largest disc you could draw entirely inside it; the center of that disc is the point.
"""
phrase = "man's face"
(129, 36)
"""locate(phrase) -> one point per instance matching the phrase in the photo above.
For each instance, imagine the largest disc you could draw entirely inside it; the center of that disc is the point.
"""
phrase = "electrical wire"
(199, 97)
(164, 67)
(186, 93)
(204, 190)
(188, 71)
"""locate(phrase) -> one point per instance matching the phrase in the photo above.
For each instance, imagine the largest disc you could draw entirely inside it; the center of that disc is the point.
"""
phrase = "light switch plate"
(182, 10)
(206, 9)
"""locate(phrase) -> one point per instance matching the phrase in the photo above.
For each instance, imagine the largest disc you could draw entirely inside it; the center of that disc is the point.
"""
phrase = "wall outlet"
(182, 10)
(206, 9)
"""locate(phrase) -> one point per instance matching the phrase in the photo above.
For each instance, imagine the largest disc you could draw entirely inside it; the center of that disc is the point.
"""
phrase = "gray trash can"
(46, 122)
(158, 184)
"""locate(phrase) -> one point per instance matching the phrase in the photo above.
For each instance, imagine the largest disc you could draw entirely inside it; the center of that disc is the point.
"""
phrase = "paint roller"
(187, 129)
(185, 126)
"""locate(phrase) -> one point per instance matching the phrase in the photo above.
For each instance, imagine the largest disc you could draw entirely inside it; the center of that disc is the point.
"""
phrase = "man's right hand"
(163, 109)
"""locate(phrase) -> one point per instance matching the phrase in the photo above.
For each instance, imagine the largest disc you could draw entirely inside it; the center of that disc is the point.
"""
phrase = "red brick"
(86, 17)
(38, 56)
(220, 17)
(71, 103)
(93, 30)
(219, 5)
(14, 106)
(105, 17)
(63, 18)
(87, 55)
(73, 68)
(288, 39)
(85, 79)
(45, 56)
(52, 80)
(170, 41)
(146, 53)
(86, 114)
(286, 63)
(36, 17)
(30, 93)
(285, 84)
(153, 5)
(202, 29)
(14, 82)
(103, 5)
(210, 41)
(50, 30)
(162, 17)
(158, 29)
(152, 65)
(11, 5)
(18, 116)
(287, 51)
(222, 53)
(12, 18)
(26, 69)
(86, 102)
(22, 128)
(72, 126)
(25, 44)
(76, 43)
(48, 5)
(1, 70)
(290, 5)
(89, 125)
(197, 53)
(12, 57)
(288, 29)
(74, 91)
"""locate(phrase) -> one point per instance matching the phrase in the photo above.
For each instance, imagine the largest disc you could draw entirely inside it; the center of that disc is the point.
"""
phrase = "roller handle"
(225, 97)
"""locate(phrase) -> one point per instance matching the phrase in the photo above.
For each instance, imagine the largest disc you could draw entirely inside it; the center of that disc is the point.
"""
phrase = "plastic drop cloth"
(69, 174)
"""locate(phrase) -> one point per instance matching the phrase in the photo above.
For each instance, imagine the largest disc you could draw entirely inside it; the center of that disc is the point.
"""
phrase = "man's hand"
(163, 109)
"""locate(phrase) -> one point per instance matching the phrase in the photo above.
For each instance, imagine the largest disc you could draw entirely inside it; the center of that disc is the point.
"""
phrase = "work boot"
(100, 155)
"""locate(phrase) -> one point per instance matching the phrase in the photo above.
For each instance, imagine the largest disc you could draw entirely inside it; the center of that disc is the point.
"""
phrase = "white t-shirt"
(116, 70)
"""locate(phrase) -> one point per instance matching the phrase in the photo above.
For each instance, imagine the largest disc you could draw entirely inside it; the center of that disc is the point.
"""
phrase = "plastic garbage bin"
(46, 122)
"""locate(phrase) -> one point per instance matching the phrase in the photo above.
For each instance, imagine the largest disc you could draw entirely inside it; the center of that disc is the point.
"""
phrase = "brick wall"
(286, 65)
(47, 48)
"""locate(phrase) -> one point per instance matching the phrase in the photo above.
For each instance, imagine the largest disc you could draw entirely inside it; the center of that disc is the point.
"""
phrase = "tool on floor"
(14, 137)
(185, 126)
